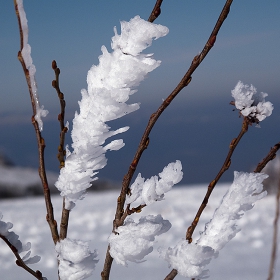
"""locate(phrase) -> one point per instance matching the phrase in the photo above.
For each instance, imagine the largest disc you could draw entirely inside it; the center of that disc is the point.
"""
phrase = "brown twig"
(61, 151)
(156, 11)
(154, 117)
(37, 274)
(270, 156)
(211, 186)
(40, 140)
(275, 235)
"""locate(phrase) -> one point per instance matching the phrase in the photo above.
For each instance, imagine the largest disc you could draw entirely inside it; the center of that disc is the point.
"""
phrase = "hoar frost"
(109, 86)
(26, 55)
(250, 103)
(14, 240)
(190, 259)
(153, 189)
(134, 241)
(76, 262)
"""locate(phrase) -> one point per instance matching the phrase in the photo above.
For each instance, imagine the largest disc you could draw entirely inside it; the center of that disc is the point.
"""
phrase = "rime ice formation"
(153, 189)
(134, 241)
(190, 259)
(250, 103)
(76, 262)
(109, 86)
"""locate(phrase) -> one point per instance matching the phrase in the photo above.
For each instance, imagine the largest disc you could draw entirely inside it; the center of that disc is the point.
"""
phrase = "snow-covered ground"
(246, 257)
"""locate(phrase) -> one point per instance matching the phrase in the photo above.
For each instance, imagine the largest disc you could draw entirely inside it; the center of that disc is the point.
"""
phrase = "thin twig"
(156, 11)
(211, 186)
(118, 221)
(275, 235)
(37, 274)
(270, 156)
(61, 151)
(40, 140)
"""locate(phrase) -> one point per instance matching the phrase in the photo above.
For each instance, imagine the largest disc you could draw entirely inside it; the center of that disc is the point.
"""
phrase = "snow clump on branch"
(153, 189)
(250, 103)
(190, 259)
(76, 262)
(13, 239)
(109, 86)
(133, 241)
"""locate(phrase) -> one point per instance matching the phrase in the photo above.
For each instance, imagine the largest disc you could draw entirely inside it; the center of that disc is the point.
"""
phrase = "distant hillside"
(18, 181)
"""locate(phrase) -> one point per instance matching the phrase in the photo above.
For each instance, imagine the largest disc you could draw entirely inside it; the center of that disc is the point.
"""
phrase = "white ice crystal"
(76, 262)
(250, 103)
(153, 189)
(190, 259)
(134, 241)
(26, 55)
(109, 86)
(14, 240)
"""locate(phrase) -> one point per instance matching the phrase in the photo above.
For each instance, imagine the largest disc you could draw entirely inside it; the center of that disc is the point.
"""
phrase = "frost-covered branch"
(154, 117)
(29, 71)
(12, 240)
(26, 60)
(133, 241)
(109, 86)
(190, 259)
(244, 98)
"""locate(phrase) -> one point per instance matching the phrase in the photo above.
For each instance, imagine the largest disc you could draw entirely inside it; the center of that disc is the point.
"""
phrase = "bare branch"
(211, 186)
(61, 151)
(156, 11)
(40, 139)
(270, 156)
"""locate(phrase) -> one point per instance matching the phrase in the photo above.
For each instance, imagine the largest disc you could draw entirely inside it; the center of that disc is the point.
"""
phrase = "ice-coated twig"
(40, 140)
(153, 119)
(12, 240)
(39, 111)
(109, 86)
(243, 96)
(190, 260)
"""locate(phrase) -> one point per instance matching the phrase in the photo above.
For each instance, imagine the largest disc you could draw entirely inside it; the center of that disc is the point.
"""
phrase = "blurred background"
(196, 128)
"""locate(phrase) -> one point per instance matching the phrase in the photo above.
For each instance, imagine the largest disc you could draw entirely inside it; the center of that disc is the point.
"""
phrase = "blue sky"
(196, 128)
